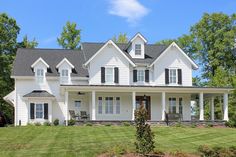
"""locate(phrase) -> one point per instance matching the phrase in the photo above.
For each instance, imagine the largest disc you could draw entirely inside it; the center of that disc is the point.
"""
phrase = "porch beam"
(201, 107)
(212, 109)
(163, 102)
(133, 104)
(93, 105)
(226, 117)
(66, 105)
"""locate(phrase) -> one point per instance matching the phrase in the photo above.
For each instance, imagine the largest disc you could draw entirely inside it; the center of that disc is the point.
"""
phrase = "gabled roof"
(105, 45)
(26, 57)
(39, 60)
(138, 35)
(195, 66)
(39, 93)
(65, 60)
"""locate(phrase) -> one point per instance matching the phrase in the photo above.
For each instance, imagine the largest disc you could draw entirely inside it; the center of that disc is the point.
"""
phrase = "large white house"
(108, 81)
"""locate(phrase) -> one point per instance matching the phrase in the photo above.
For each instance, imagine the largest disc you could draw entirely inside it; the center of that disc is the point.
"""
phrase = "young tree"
(27, 44)
(144, 136)
(122, 38)
(70, 36)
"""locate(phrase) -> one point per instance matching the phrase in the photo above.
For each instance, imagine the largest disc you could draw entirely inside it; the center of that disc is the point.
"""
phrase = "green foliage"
(144, 136)
(206, 151)
(27, 44)
(108, 124)
(118, 150)
(47, 124)
(122, 38)
(232, 122)
(71, 122)
(88, 124)
(126, 124)
(70, 36)
(56, 122)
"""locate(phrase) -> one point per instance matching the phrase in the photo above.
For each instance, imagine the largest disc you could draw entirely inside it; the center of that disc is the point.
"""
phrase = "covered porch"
(118, 103)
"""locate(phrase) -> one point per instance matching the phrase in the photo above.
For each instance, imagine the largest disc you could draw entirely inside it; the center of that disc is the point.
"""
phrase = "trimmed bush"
(71, 122)
(56, 122)
(232, 122)
(37, 124)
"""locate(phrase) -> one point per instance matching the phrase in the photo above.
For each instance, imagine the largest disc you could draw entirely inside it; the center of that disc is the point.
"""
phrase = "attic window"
(137, 49)
(40, 75)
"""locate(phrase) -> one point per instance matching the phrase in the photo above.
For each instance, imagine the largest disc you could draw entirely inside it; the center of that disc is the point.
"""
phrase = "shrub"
(232, 122)
(88, 124)
(47, 123)
(179, 125)
(179, 154)
(30, 124)
(209, 125)
(144, 136)
(206, 151)
(37, 124)
(193, 125)
(56, 122)
(126, 124)
(107, 124)
(217, 151)
(71, 122)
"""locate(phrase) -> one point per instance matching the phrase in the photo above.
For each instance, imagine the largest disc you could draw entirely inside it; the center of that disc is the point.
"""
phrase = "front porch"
(118, 103)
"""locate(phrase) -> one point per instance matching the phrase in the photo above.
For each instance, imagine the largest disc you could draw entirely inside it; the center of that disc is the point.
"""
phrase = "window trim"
(100, 99)
(117, 104)
(35, 116)
(171, 99)
(139, 49)
(113, 71)
(64, 78)
(40, 78)
(138, 76)
(176, 76)
(107, 109)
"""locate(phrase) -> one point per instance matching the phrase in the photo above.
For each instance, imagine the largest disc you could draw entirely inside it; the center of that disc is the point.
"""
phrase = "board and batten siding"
(109, 57)
(173, 59)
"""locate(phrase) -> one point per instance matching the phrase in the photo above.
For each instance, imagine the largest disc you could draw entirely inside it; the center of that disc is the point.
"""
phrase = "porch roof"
(142, 88)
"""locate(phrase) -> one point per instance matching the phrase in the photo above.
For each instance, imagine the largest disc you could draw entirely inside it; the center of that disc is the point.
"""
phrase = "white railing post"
(66, 105)
(133, 104)
(93, 105)
(212, 109)
(201, 107)
(226, 117)
(163, 103)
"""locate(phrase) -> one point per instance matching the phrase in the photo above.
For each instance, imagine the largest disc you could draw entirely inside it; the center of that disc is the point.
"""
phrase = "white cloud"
(132, 10)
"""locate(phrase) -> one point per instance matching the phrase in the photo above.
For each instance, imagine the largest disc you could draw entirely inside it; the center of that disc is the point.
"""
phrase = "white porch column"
(226, 117)
(93, 105)
(201, 108)
(66, 105)
(212, 109)
(163, 103)
(133, 104)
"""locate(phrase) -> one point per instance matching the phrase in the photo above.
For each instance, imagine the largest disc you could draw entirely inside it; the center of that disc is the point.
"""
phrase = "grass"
(90, 141)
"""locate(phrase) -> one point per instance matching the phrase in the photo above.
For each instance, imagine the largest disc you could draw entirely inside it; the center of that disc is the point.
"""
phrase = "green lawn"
(90, 141)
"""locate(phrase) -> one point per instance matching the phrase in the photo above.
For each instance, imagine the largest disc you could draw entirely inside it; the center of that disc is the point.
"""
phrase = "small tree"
(144, 136)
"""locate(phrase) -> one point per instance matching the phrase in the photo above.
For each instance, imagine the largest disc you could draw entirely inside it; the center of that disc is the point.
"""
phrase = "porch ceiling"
(150, 89)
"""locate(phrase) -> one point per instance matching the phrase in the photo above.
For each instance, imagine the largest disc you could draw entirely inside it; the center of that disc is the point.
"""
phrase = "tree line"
(210, 42)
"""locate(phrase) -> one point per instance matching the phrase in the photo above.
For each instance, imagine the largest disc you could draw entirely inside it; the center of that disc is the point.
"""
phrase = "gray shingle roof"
(26, 57)
(39, 93)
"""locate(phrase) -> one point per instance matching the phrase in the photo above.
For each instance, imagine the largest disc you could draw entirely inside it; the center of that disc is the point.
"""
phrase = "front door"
(147, 104)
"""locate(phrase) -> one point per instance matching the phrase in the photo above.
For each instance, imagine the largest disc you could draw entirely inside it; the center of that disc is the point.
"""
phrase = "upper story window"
(40, 75)
(140, 75)
(137, 49)
(109, 75)
(64, 76)
(173, 76)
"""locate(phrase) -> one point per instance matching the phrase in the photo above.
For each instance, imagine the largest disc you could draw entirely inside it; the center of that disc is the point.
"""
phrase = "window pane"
(117, 105)
(109, 74)
(172, 76)
(100, 105)
(172, 105)
(109, 105)
(77, 104)
(39, 110)
(137, 49)
(140, 75)
(180, 105)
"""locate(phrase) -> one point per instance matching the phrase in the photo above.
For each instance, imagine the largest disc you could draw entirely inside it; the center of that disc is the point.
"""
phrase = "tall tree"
(8, 44)
(27, 43)
(70, 36)
(122, 38)
(215, 34)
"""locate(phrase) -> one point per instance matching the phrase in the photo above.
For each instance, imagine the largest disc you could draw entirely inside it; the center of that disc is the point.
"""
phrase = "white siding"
(173, 59)
(109, 57)
(137, 40)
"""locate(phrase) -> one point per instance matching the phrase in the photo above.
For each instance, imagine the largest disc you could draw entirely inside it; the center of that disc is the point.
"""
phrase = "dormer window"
(64, 76)
(40, 75)
(137, 49)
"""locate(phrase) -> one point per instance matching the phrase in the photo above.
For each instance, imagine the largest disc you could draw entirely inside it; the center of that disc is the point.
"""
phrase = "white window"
(40, 75)
(117, 105)
(173, 76)
(140, 75)
(137, 49)
(109, 75)
(109, 105)
(77, 104)
(172, 105)
(99, 105)
(64, 76)
(39, 111)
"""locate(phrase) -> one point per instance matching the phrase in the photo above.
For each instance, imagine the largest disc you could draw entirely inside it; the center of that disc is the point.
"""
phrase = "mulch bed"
(151, 155)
